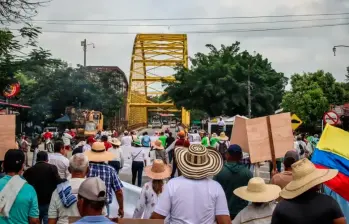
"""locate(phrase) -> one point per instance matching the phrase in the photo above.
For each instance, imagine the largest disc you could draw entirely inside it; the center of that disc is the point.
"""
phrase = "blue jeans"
(43, 213)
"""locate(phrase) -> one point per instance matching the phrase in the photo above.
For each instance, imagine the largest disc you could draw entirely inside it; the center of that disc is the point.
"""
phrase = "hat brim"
(298, 187)
(271, 193)
(113, 143)
(99, 156)
(225, 138)
(211, 167)
(158, 176)
(158, 147)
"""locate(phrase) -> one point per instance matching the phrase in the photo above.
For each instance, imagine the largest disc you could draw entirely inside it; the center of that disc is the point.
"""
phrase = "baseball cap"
(93, 189)
(292, 154)
(234, 148)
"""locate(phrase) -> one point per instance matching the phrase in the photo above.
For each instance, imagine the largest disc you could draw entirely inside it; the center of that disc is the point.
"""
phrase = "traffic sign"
(331, 118)
(295, 121)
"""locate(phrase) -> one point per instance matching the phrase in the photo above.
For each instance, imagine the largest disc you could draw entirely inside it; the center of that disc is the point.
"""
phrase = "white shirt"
(86, 147)
(255, 214)
(118, 155)
(66, 139)
(147, 200)
(62, 164)
(137, 154)
(126, 140)
(58, 211)
(221, 123)
(188, 201)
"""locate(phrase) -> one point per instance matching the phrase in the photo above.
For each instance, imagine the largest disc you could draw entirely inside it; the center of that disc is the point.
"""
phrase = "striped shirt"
(108, 175)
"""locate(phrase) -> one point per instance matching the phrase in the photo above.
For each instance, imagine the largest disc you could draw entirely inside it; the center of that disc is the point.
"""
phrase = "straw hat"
(197, 162)
(158, 145)
(258, 191)
(98, 153)
(158, 171)
(223, 137)
(214, 135)
(305, 176)
(115, 141)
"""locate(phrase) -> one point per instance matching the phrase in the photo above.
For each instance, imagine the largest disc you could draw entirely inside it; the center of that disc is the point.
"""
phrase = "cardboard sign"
(7, 133)
(262, 138)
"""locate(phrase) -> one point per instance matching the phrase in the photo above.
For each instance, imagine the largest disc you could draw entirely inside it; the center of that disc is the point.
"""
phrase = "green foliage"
(312, 94)
(216, 83)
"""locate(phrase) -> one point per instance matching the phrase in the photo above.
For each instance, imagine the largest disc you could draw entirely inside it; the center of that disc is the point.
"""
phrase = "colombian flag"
(332, 152)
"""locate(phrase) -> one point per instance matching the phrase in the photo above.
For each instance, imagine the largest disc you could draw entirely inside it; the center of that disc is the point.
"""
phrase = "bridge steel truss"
(151, 54)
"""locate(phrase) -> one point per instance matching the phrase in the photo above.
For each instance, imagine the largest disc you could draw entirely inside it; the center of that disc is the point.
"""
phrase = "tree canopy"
(312, 94)
(216, 83)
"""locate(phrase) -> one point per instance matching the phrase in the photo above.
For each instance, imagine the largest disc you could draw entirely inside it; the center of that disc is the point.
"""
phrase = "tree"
(216, 83)
(312, 94)
(15, 11)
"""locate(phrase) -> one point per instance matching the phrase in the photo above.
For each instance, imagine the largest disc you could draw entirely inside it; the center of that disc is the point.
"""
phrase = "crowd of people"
(193, 178)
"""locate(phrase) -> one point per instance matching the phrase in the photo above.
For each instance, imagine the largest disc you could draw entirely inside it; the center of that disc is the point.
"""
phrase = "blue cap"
(234, 148)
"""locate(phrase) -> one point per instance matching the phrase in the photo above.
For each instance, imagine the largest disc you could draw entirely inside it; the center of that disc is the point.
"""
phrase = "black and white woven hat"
(197, 162)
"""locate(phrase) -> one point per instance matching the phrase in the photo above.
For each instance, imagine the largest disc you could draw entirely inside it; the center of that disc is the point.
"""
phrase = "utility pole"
(249, 91)
(84, 47)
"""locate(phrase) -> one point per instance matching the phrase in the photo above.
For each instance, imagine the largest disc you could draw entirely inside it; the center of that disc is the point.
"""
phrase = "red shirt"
(107, 145)
(72, 134)
(47, 135)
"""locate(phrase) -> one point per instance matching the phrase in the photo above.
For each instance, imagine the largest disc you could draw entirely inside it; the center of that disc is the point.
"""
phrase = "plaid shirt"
(108, 175)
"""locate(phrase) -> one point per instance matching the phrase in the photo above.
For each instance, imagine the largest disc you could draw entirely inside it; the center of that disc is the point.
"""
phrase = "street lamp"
(334, 49)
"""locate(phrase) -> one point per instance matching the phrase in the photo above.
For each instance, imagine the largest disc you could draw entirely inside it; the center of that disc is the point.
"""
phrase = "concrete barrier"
(131, 196)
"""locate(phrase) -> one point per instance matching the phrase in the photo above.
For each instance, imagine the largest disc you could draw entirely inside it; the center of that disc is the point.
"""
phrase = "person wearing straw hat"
(223, 144)
(262, 196)
(152, 190)
(194, 197)
(98, 156)
(118, 161)
(303, 203)
(158, 152)
(233, 175)
(214, 139)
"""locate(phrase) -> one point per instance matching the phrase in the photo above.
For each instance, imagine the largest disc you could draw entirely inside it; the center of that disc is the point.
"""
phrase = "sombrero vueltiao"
(197, 162)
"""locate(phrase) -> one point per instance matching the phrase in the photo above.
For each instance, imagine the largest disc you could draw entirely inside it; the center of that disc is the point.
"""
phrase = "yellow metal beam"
(152, 51)
(151, 105)
(155, 79)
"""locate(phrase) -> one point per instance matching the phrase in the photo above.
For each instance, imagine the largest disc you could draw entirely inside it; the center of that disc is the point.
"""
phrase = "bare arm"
(120, 198)
(339, 221)
(34, 220)
(223, 219)
(155, 215)
(52, 221)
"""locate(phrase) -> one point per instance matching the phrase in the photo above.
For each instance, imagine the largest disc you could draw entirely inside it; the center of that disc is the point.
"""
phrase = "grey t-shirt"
(308, 208)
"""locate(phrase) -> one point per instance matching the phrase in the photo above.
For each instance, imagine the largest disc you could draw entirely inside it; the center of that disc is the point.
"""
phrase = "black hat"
(13, 160)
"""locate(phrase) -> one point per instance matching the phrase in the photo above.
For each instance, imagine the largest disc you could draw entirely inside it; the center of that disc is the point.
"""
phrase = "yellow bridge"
(154, 58)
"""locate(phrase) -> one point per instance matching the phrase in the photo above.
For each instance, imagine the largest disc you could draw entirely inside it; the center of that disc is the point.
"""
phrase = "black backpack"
(222, 148)
(301, 148)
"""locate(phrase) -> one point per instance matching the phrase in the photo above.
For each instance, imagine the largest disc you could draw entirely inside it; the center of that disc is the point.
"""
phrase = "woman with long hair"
(152, 190)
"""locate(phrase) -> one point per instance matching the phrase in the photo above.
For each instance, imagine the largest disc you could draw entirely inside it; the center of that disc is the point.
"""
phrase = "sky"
(289, 51)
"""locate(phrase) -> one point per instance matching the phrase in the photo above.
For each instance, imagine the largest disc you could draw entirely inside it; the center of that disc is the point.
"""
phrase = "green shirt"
(25, 205)
(205, 141)
(163, 138)
(213, 141)
(232, 176)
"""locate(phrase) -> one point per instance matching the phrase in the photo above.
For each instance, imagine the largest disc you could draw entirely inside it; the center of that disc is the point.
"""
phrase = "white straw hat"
(223, 137)
(197, 162)
(305, 176)
(258, 191)
(98, 153)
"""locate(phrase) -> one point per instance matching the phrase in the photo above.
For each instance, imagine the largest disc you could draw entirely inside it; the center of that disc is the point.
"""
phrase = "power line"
(201, 31)
(193, 18)
(194, 24)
